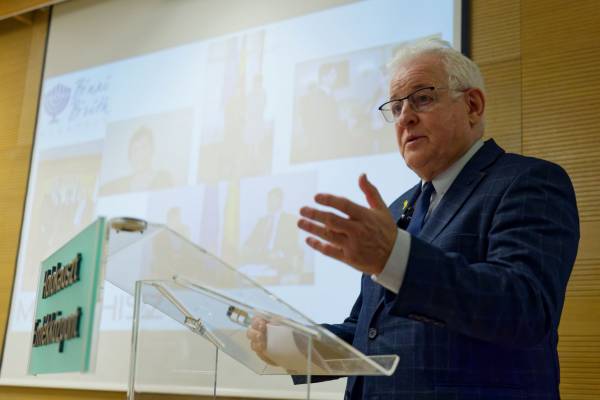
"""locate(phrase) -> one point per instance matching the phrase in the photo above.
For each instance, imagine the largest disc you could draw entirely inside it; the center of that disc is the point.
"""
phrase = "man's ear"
(475, 105)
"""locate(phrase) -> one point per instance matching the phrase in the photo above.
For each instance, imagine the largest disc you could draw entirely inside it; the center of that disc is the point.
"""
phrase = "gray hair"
(462, 72)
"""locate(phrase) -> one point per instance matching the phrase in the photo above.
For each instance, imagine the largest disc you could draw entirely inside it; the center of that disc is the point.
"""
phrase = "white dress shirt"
(392, 275)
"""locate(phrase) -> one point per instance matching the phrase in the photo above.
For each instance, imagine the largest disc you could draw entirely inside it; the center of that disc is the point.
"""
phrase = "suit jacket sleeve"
(513, 294)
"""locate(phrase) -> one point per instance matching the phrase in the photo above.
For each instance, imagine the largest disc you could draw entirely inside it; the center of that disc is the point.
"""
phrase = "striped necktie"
(421, 208)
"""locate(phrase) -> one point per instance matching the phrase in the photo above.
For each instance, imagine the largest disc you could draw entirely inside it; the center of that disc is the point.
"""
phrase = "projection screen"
(211, 117)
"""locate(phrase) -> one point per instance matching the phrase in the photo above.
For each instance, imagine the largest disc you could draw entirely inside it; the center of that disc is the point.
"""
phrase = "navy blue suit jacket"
(478, 311)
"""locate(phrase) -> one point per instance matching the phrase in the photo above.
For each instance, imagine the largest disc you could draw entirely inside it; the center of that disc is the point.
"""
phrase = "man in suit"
(274, 242)
(464, 276)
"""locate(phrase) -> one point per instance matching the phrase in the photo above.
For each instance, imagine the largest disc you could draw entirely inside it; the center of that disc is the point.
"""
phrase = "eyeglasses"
(421, 100)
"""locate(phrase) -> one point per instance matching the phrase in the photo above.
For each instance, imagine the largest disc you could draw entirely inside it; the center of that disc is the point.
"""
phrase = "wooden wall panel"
(579, 377)
(495, 30)
(14, 42)
(495, 47)
(560, 104)
(503, 108)
(20, 73)
(10, 8)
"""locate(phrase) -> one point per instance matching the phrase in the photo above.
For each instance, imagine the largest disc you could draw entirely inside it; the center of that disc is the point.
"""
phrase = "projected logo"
(56, 100)
(90, 99)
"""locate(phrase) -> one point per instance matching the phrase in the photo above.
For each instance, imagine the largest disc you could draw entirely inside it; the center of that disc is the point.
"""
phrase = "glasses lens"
(386, 111)
(396, 108)
(392, 110)
(423, 99)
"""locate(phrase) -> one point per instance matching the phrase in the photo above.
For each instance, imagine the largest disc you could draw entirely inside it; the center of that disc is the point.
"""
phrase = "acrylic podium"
(214, 304)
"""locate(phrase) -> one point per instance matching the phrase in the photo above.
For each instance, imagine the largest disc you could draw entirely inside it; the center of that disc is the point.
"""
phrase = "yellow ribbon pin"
(405, 204)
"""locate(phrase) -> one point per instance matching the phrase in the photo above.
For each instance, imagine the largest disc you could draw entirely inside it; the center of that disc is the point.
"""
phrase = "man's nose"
(407, 115)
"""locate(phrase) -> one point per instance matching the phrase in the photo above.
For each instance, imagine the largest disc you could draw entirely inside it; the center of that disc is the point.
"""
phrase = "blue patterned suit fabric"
(477, 315)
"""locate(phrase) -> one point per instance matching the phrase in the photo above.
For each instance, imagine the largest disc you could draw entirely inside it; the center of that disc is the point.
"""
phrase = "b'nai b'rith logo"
(56, 100)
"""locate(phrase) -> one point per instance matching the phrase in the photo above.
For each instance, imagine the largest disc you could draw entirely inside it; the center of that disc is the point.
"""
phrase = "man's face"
(431, 141)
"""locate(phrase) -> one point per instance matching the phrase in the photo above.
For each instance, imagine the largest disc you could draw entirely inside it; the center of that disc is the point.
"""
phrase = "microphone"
(405, 218)
(408, 211)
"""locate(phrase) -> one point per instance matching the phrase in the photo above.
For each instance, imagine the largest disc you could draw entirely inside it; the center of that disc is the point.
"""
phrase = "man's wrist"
(392, 275)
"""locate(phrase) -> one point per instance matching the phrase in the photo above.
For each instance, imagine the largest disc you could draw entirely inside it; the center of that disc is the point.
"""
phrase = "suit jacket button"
(372, 333)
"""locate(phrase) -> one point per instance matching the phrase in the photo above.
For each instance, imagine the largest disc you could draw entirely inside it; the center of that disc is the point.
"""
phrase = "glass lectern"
(203, 297)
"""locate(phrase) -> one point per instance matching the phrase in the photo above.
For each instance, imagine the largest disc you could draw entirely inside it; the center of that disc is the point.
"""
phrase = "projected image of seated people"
(63, 204)
(272, 253)
(334, 99)
(167, 249)
(319, 115)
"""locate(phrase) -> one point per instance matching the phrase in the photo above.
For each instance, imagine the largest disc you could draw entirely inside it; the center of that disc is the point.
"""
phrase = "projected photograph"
(335, 106)
(147, 153)
(63, 202)
(272, 251)
(181, 210)
(237, 135)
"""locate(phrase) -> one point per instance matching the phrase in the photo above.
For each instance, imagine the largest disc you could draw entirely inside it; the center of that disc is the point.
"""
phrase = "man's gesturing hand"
(364, 238)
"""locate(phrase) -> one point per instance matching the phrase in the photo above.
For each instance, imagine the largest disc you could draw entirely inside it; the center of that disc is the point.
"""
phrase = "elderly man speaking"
(464, 275)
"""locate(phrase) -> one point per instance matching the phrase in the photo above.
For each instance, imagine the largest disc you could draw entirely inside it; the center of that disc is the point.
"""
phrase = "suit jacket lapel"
(460, 190)
(397, 207)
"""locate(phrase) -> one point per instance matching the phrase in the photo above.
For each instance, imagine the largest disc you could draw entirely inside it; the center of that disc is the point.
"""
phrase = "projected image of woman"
(143, 176)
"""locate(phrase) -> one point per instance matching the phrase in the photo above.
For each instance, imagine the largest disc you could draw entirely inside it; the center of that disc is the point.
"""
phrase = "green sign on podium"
(67, 307)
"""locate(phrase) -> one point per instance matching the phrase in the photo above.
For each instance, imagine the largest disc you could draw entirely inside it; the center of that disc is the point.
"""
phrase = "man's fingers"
(322, 232)
(253, 334)
(371, 193)
(258, 323)
(325, 248)
(258, 347)
(329, 219)
(342, 204)
(263, 356)
(257, 334)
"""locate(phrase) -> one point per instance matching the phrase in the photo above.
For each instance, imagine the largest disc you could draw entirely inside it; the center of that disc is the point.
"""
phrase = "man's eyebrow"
(420, 86)
(412, 89)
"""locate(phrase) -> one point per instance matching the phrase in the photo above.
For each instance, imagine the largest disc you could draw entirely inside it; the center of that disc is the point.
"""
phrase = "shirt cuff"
(395, 268)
